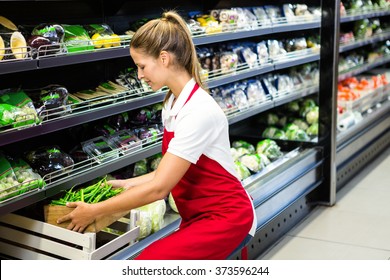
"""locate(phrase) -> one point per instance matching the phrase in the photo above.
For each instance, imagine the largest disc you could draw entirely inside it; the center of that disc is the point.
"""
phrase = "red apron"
(216, 212)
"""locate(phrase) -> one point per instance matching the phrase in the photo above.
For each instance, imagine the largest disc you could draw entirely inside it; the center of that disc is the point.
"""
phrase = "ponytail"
(169, 33)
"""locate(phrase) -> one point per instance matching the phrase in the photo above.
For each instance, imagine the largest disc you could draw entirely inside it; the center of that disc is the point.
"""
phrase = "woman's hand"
(119, 183)
(80, 218)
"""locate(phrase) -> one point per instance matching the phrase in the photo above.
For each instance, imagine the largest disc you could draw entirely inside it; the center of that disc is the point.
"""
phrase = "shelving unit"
(366, 139)
(283, 193)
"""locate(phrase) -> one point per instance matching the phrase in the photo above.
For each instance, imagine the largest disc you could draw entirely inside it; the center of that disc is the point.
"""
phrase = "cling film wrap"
(16, 109)
(77, 39)
(8, 180)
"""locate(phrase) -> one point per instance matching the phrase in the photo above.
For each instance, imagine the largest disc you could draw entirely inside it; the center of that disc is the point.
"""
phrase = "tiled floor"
(357, 227)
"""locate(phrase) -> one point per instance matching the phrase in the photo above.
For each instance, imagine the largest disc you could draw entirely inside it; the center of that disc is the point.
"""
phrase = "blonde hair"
(169, 33)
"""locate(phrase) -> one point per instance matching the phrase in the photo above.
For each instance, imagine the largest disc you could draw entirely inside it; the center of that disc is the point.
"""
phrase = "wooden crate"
(53, 212)
(29, 239)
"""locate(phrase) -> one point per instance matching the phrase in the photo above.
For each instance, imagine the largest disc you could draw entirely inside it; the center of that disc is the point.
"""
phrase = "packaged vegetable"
(27, 178)
(151, 217)
(16, 109)
(252, 162)
(140, 168)
(274, 132)
(102, 36)
(51, 100)
(126, 140)
(297, 135)
(242, 171)
(301, 124)
(77, 39)
(312, 129)
(47, 38)
(154, 161)
(244, 144)
(312, 115)
(8, 180)
(269, 148)
(100, 149)
(49, 159)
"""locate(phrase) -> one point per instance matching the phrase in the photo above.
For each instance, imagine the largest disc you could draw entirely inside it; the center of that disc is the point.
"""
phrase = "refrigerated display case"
(283, 193)
(363, 127)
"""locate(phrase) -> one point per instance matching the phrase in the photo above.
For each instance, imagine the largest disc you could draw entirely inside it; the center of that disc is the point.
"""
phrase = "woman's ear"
(164, 56)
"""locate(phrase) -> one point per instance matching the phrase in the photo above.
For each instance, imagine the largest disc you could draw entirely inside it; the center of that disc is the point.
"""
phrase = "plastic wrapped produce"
(154, 161)
(296, 134)
(46, 39)
(51, 100)
(261, 16)
(262, 53)
(126, 140)
(49, 159)
(16, 109)
(274, 132)
(242, 171)
(312, 130)
(77, 39)
(100, 149)
(269, 148)
(151, 217)
(148, 134)
(8, 180)
(140, 168)
(255, 92)
(301, 124)
(312, 115)
(252, 162)
(243, 144)
(102, 36)
(228, 62)
(27, 178)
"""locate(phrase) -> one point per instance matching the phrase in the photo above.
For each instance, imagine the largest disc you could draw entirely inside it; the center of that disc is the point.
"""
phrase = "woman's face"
(149, 69)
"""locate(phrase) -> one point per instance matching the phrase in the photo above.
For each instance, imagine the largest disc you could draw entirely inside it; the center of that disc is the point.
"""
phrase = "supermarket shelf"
(364, 42)
(240, 75)
(122, 104)
(363, 68)
(363, 15)
(10, 136)
(359, 135)
(83, 174)
(7, 67)
(300, 93)
(77, 58)
(296, 58)
(250, 111)
(228, 36)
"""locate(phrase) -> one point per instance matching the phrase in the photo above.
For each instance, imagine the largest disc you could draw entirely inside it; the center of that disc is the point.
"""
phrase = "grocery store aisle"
(357, 227)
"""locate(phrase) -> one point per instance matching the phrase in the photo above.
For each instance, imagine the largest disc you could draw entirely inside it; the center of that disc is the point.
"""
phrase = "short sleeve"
(193, 133)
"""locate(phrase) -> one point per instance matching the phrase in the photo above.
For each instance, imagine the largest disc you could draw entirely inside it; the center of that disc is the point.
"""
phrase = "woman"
(197, 167)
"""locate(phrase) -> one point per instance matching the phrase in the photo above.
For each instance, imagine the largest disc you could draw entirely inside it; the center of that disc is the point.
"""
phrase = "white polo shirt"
(201, 127)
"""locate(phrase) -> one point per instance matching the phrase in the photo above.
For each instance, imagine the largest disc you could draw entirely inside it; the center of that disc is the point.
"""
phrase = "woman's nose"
(140, 74)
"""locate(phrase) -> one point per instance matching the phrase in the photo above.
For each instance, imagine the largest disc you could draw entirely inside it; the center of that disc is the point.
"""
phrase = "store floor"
(357, 227)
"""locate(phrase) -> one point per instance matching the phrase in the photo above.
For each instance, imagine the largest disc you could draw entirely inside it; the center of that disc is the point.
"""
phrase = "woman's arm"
(127, 183)
(169, 172)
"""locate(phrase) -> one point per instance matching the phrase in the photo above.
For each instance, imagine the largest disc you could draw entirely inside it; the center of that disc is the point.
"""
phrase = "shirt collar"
(181, 99)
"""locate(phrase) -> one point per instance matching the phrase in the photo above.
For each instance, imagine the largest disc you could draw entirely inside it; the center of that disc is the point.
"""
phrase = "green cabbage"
(312, 130)
(244, 144)
(151, 217)
(242, 171)
(312, 115)
(273, 132)
(251, 161)
(269, 148)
